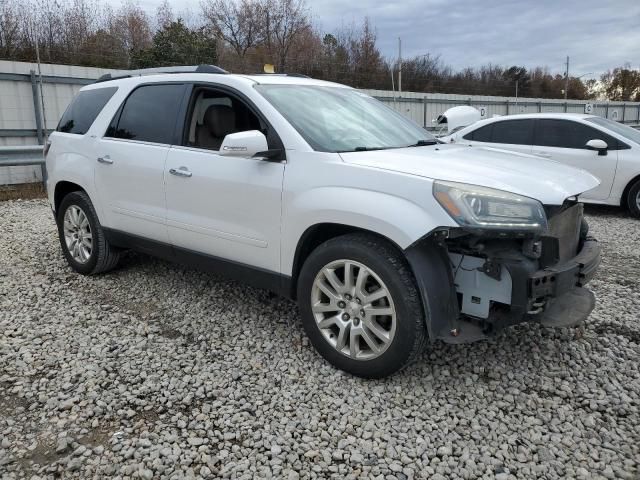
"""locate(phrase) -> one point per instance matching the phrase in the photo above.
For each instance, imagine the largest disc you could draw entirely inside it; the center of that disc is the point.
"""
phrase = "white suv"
(318, 192)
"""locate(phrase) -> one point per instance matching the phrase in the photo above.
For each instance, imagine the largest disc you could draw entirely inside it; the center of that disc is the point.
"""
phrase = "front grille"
(565, 228)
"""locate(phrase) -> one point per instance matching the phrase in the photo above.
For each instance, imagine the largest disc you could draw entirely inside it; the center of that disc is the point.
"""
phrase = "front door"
(516, 135)
(225, 207)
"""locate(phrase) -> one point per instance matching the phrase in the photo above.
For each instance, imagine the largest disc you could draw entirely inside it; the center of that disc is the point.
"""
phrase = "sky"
(597, 35)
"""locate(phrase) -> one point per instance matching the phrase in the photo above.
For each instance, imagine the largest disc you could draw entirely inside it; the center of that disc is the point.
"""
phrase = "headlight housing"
(485, 208)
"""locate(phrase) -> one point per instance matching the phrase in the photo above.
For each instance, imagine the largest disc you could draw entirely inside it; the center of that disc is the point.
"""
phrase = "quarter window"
(568, 134)
(84, 109)
(149, 114)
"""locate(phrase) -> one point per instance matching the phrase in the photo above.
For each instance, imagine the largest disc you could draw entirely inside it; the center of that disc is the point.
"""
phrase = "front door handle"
(106, 160)
(542, 154)
(180, 172)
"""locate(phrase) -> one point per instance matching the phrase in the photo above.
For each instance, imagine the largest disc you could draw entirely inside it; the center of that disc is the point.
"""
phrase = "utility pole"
(399, 65)
(566, 80)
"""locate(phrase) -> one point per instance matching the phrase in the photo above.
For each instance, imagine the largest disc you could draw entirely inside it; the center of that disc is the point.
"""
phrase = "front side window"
(568, 134)
(336, 119)
(622, 130)
(482, 134)
(216, 114)
(149, 114)
(84, 109)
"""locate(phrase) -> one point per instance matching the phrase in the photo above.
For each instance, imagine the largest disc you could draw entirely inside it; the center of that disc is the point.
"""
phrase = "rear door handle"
(106, 160)
(180, 172)
(542, 154)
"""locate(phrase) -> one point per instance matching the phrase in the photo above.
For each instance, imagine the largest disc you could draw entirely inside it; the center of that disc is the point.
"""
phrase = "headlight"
(486, 208)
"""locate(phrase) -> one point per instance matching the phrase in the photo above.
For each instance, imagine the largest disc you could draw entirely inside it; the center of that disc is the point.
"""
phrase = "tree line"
(244, 35)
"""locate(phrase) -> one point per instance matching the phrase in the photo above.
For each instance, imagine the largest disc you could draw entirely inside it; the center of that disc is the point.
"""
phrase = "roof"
(206, 73)
(543, 115)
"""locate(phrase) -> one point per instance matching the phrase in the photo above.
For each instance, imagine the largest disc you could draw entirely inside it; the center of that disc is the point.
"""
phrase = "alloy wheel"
(353, 309)
(77, 234)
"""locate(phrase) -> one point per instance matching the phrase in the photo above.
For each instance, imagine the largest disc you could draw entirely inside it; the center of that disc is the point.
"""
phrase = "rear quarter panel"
(69, 160)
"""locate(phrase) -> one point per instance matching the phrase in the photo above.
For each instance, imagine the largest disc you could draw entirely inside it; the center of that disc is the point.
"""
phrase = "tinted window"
(84, 109)
(514, 132)
(568, 134)
(482, 134)
(624, 130)
(149, 114)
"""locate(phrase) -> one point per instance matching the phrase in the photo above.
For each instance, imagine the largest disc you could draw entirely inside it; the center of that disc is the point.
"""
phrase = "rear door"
(516, 135)
(131, 157)
(565, 141)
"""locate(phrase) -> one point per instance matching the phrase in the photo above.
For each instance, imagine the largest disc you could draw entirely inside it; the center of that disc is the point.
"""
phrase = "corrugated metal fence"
(23, 119)
(424, 108)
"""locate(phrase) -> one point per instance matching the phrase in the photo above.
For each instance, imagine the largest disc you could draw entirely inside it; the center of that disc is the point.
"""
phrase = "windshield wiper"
(363, 149)
(424, 143)
(368, 149)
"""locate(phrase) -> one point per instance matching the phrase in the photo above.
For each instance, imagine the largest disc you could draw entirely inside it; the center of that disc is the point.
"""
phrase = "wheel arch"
(624, 200)
(314, 236)
(427, 259)
(62, 189)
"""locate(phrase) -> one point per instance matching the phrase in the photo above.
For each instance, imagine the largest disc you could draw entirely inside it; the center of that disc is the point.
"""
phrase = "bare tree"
(238, 24)
(130, 26)
(286, 21)
(164, 15)
(10, 31)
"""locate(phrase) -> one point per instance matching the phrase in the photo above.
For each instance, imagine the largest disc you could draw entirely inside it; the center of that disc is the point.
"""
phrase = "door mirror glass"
(597, 144)
(243, 144)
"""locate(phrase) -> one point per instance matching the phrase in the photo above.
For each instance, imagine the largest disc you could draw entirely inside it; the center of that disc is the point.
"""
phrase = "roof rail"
(159, 70)
(298, 75)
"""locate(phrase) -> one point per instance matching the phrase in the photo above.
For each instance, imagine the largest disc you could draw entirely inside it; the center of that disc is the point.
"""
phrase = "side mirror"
(599, 145)
(243, 144)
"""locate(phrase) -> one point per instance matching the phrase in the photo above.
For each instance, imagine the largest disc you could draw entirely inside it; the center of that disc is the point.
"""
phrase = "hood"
(548, 181)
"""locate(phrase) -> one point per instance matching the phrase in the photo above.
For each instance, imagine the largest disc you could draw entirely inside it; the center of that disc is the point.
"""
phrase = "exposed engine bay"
(503, 281)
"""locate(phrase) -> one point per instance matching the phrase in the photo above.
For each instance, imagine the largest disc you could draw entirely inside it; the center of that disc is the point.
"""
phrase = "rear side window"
(513, 132)
(482, 134)
(568, 134)
(149, 114)
(84, 109)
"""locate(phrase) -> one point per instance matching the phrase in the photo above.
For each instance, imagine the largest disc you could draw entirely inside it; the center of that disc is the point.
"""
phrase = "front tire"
(633, 199)
(82, 238)
(360, 305)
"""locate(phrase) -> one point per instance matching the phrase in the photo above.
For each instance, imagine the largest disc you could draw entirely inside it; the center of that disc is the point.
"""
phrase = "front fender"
(395, 218)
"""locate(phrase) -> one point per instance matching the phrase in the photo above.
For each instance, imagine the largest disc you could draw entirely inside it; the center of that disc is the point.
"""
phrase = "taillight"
(47, 146)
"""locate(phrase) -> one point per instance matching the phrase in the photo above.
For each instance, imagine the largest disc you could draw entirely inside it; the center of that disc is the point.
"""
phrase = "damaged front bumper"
(554, 295)
(499, 288)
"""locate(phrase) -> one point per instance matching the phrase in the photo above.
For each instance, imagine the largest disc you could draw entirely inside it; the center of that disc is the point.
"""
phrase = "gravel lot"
(158, 371)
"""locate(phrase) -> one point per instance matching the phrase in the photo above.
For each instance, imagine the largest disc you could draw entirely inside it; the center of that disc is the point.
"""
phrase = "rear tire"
(82, 238)
(368, 322)
(633, 199)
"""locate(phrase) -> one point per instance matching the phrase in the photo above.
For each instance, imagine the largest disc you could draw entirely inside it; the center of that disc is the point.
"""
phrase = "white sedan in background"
(607, 149)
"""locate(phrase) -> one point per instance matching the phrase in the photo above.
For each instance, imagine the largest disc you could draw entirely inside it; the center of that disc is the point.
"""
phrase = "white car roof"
(225, 78)
(569, 116)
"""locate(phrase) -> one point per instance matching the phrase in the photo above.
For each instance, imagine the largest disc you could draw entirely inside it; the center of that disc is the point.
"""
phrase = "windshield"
(627, 132)
(335, 119)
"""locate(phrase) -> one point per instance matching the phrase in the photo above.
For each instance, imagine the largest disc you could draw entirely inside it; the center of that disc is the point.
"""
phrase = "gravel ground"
(157, 371)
